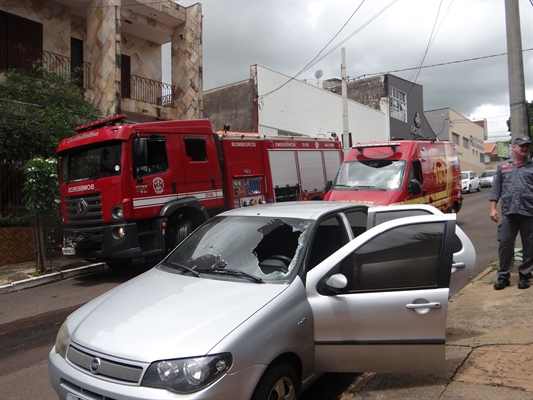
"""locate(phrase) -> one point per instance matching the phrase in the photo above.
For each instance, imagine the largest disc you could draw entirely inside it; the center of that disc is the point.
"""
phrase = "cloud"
(382, 36)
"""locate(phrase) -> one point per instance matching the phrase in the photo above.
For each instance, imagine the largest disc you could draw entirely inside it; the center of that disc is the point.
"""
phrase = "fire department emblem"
(159, 185)
(317, 145)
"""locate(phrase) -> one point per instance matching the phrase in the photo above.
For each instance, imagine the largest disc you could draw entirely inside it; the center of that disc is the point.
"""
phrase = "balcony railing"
(15, 55)
(148, 90)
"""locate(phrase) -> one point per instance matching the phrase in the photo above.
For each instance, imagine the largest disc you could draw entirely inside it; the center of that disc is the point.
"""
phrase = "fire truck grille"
(84, 210)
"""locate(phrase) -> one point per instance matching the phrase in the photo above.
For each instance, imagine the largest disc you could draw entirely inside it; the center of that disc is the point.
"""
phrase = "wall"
(232, 104)
(470, 148)
(16, 245)
(296, 106)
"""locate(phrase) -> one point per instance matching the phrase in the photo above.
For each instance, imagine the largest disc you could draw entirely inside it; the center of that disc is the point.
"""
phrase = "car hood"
(161, 315)
(375, 197)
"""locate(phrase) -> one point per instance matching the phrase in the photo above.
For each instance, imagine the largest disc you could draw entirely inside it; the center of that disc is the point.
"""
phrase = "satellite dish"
(318, 74)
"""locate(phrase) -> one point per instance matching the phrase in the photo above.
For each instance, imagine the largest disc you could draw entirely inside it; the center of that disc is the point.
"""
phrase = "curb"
(54, 277)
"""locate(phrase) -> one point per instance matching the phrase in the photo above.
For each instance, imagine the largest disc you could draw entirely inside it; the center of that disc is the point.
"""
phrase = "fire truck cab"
(137, 190)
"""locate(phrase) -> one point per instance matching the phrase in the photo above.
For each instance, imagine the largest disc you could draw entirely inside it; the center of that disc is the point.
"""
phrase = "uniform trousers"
(507, 231)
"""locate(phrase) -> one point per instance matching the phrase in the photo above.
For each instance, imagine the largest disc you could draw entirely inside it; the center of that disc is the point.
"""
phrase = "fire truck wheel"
(118, 265)
(182, 229)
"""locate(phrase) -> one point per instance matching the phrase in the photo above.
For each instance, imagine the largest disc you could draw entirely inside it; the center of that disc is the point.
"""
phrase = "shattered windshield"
(264, 249)
(91, 162)
(371, 175)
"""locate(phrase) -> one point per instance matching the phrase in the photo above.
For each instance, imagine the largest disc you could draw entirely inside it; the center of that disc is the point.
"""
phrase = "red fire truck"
(132, 190)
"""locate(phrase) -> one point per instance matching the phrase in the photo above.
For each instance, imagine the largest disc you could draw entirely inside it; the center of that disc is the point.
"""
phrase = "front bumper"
(66, 379)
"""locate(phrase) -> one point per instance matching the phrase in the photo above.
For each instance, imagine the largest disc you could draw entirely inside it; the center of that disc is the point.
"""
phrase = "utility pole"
(345, 130)
(515, 67)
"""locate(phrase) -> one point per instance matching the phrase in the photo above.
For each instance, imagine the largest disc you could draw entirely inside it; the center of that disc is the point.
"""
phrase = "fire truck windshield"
(91, 162)
(370, 175)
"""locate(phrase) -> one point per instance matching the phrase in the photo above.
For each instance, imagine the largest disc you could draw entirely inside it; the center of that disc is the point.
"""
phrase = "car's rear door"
(391, 315)
(464, 255)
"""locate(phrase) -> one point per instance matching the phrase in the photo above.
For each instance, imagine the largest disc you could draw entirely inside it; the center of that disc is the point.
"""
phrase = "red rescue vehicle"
(400, 172)
(131, 190)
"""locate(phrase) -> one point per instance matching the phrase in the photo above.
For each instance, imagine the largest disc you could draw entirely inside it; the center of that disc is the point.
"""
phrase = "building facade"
(467, 135)
(273, 104)
(405, 102)
(115, 49)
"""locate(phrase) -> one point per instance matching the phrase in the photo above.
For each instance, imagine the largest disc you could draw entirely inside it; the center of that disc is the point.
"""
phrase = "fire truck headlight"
(117, 212)
(119, 232)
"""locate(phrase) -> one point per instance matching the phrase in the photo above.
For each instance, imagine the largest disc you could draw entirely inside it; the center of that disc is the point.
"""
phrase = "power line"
(435, 65)
(315, 61)
(320, 52)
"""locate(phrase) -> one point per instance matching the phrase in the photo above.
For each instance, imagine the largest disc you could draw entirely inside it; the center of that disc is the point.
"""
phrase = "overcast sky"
(382, 36)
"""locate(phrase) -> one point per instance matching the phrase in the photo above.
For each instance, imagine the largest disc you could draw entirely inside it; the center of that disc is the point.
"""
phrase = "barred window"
(455, 138)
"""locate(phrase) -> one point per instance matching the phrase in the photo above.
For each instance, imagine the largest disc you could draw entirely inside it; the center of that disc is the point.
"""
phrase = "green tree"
(41, 198)
(38, 109)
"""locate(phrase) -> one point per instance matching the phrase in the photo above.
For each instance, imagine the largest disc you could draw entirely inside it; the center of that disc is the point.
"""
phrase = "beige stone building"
(119, 44)
(467, 135)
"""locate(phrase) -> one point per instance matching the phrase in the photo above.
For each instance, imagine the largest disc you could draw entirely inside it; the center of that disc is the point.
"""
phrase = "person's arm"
(495, 194)
(493, 211)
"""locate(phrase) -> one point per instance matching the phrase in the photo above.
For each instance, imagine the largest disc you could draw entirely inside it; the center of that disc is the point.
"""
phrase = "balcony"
(149, 91)
(15, 55)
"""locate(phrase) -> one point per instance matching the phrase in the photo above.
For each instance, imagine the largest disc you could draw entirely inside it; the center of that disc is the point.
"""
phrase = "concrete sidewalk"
(489, 341)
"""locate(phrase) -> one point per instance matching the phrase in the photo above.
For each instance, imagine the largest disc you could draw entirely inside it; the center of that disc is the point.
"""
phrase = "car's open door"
(464, 260)
(380, 302)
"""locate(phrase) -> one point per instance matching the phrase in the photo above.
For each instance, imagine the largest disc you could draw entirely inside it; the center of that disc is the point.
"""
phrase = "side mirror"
(414, 187)
(329, 185)
(336, 282)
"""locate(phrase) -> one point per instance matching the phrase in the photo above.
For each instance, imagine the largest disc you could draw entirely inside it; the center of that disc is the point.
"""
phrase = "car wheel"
(279, 382)
(452, 209)
(479, 188)
(469, 189)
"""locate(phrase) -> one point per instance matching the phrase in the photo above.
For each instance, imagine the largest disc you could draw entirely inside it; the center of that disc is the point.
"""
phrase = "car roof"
(293, 209)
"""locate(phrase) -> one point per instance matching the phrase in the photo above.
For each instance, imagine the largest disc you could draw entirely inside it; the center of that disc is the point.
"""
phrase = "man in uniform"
(513, 183)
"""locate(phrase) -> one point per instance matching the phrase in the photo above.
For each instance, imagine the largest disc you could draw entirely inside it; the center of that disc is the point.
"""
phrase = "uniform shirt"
(514, 185)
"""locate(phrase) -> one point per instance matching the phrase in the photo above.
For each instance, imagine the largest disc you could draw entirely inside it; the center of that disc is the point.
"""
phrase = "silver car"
(486, 178)
(259, 301)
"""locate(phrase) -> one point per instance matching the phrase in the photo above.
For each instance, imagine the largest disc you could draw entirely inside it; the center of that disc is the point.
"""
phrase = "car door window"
(357, 220)
(406, 257)
(329, 237)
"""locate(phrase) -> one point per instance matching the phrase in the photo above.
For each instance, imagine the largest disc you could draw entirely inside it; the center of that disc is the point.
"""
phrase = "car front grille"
(109, 369)
(84, 210)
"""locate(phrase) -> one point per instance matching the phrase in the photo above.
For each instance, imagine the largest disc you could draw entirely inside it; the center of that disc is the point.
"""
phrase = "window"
(329, 237)
(466, 143)
(125, 76)
(76, 61)
(398, 104)
(156, 160)
(405, 257)
(455, 138)
(195, 148)
(21, 42)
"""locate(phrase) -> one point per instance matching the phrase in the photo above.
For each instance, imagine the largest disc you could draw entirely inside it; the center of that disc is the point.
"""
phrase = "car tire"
(279, 381)
(479, 188)
(469, 189)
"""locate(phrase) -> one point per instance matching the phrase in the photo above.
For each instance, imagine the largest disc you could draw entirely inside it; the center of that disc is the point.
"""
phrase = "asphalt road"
(26, 339)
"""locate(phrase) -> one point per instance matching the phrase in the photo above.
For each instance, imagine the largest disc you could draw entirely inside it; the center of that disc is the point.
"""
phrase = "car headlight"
(62, 339)
(187, 375)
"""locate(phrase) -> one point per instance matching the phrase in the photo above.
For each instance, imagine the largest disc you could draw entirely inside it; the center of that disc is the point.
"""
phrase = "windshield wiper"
(183, 267)
(370, 187)
(215, 270)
